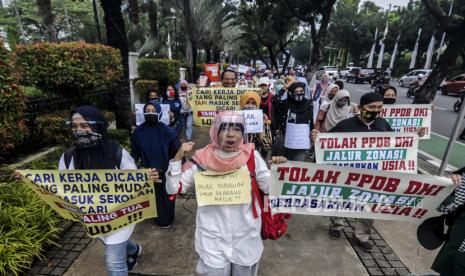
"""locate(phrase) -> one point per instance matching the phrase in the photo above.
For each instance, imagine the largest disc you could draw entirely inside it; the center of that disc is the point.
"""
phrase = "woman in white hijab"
(325, 99)
(335, 111)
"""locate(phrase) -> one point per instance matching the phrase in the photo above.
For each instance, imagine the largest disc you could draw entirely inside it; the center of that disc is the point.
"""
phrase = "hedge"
(13, 129)
(52, 128)
(142, 86)
(67, 68)
(165, 71)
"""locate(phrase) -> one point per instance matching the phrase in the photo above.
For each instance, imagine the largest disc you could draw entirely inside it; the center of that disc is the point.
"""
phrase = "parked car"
(332, 72)
(453, 86)
(412, 76)
(343, 73)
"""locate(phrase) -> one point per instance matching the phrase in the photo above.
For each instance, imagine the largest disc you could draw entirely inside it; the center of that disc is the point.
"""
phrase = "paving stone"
(365, 256)
(84, 241)
(61, 254)
(375, 236)
(65, 263)
(74, 240)
(378, 256)
(375, 271)
(379, 242)
(388, 271)
(68, 246)
(72, 255)
(386, 250)
(402, 271)
(397, 264)
(58, 271)
(369, 263)
(383, 263)
(46, 270)
(79, 247)
(375, 250)
(391, 257)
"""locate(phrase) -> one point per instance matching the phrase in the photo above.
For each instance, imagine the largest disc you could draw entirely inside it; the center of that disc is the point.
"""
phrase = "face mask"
(170, 93)
(389, 100)
(278, 87)
(183, 88)
(154, 100)
(331, 96)
(299, 97)
(341, 104)
(369, 115)
(86, 139)
(152, 118)
(249, 107)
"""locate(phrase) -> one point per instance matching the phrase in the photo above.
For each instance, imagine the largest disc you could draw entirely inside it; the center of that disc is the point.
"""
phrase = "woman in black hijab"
(93, 151)
(293, 117)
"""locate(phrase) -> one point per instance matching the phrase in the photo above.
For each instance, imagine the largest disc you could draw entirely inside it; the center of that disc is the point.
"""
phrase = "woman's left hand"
(154, 175)
(278, 159)
(456, 179)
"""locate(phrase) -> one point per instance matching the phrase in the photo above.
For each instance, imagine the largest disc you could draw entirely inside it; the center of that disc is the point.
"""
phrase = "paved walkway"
(306, 248)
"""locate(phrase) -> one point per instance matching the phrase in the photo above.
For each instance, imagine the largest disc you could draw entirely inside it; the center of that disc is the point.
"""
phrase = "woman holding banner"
(227, 235)
(92, 151)
(293, 119)
(251, 101)
(154, 144)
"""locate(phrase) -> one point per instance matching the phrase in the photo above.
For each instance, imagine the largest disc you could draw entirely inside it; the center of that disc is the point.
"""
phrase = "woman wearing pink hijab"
(227, 237)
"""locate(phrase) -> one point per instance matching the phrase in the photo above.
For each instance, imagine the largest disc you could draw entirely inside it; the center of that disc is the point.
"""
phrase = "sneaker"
(365, 245)
(131, 259)
(334, 234)
(166, 226)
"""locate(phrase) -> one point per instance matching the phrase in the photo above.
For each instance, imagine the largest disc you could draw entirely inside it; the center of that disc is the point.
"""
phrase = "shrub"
(12, 104)
(119, 135)
(27, 225)
(165, 71)
(142, 86)
(110, 116)
(52, 128)
(69, 67)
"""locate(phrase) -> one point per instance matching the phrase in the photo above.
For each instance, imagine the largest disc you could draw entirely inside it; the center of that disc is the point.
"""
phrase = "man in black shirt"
(371, 104)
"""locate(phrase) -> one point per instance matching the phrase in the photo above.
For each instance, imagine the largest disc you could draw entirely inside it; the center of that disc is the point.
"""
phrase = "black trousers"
(165, 206)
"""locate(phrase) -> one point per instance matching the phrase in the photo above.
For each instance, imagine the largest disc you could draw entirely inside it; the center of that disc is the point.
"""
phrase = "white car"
(412, 76)
(332, 72)
(343, 73)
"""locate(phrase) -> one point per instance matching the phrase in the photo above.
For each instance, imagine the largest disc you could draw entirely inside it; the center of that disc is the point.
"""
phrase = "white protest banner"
(207, 102)
(253, 120)
(312, 189)
(387, 151)
(243, 69)
(165, 118)
(408, 117)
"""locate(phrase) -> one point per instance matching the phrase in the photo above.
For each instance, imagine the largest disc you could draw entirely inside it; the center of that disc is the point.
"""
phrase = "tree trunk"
(45, 12)
(153, 17)
(208, 57)
(286, 61)
(216, 54)
(191, 49)
(445, 64)
(133, 11)
(272, 56)
(116, 38)
(455, 30)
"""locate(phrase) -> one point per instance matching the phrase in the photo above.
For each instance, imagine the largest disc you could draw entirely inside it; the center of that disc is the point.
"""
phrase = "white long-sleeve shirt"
(224, 233)
(127, 163)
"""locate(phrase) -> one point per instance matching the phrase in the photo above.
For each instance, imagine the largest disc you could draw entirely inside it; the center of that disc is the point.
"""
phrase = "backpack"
(273, 226)
(117, 157)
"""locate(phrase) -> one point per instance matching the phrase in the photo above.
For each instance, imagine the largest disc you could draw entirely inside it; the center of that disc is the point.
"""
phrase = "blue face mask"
(278, 87)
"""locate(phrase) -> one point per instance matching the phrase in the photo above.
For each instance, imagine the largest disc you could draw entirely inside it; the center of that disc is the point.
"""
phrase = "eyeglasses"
(82, 125)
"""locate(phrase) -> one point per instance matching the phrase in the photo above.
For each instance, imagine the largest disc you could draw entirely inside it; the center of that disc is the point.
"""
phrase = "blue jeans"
(188, 123)
(115, 257)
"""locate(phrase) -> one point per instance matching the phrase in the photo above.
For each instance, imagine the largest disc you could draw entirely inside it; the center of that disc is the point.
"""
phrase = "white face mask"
(250, 107)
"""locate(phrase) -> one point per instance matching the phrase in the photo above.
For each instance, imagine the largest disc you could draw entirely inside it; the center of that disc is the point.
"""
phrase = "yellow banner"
(102, 200)
(213, 188)
(207, 102)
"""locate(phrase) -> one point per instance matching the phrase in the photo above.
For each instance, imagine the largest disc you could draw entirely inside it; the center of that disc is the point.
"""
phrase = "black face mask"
(331, 96)
(86, 139)
(389, 100)
(369, 115)
(298, 97)
(151, 118)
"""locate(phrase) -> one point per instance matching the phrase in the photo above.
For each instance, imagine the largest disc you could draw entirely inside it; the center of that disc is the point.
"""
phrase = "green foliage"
(142, 86)
(12, 104)
(69, 67)
(52, 128)
(119, 135)
(165, 71)
(32, 92)
(27, 225)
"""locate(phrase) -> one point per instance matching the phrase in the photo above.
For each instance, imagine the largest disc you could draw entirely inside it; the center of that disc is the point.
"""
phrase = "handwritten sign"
(253, 120)
(214, 188)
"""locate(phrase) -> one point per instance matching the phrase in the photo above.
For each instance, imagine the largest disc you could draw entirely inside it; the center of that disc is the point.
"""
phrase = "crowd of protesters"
(227, 237)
